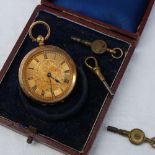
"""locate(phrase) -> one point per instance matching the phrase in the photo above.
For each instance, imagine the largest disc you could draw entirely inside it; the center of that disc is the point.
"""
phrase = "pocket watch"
(47, 74)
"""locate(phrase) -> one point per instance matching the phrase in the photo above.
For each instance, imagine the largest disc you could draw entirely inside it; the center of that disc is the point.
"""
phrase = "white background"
(133, 105)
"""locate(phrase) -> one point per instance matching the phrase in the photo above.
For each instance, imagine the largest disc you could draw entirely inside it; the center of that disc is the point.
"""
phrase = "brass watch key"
(92, 64)
(100, 47)
(136, 136)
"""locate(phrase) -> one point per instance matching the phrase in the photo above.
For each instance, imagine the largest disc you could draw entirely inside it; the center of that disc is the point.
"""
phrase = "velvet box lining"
(125, 15)
(72, 131)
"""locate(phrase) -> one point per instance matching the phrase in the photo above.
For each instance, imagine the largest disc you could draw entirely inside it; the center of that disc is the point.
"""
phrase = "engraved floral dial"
(47, 74)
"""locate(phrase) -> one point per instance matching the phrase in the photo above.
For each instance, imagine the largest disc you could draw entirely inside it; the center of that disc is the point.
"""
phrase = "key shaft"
(107, 87)
(118, 131)
(97, 71)
(151, 141)
(84, 42)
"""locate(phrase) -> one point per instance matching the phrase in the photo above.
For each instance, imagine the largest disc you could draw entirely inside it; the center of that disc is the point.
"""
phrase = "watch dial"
(47, 75)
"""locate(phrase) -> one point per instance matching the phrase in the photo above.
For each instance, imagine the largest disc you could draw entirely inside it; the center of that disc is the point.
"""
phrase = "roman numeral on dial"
(67, 71)
(34, 88)
(45, 56)
(62, 62)
(31, 68)
(36, 60)
(43, 93)
(66, 81)
(30, 78)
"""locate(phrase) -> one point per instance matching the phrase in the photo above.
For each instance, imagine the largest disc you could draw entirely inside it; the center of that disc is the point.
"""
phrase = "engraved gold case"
(47, 74)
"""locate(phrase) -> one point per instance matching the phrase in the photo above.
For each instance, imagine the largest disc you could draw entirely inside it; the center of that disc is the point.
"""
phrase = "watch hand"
(56, 80)
(51, 89)
(50, 76)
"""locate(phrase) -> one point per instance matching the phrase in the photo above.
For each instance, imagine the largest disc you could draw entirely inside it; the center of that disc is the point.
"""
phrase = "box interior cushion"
(71, 131)
(119, 13)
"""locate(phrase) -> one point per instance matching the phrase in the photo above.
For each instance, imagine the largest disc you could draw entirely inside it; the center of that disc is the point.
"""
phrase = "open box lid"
(124, 17)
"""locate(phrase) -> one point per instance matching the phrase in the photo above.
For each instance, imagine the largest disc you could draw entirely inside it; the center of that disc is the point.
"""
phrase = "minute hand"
(56, 80)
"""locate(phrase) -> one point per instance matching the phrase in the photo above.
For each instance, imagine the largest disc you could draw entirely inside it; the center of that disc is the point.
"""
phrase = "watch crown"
(40, 40)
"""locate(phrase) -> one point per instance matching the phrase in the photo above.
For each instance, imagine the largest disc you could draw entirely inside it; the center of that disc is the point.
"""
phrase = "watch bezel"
(25, 89)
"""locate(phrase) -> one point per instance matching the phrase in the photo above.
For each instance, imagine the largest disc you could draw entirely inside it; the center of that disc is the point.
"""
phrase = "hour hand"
(50, 76)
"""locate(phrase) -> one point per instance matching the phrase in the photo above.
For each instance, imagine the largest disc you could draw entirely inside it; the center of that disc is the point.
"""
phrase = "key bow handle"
(92, 64)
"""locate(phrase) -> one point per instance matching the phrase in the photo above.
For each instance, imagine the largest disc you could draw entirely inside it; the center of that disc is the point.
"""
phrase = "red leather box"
(78, 132)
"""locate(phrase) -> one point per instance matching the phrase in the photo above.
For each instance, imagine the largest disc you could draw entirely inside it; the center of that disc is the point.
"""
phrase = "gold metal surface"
(136, 136)
(47, 74)
(100, 47)
(116, 53)
(92, 64)
(94, 68)
(39, 23)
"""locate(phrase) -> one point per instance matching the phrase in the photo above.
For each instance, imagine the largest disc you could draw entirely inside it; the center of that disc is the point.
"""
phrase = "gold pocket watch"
(47, 73)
